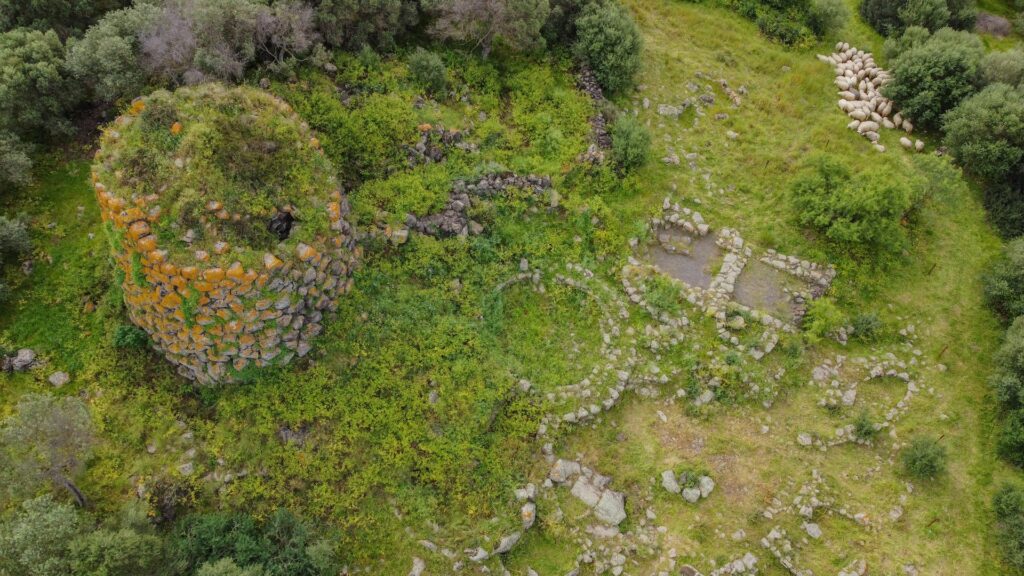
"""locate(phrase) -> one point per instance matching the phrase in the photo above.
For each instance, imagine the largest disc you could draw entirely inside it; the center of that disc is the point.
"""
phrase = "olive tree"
(986, 134)
(609, 42)
(35, 93)
(483, 23)
(355, 23)
(936, 75)
(106, 59)
(1003, 67)
(35, 541)
(47, 439)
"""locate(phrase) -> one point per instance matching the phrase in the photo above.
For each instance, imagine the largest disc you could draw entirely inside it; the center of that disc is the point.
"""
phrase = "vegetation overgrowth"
(410, 421)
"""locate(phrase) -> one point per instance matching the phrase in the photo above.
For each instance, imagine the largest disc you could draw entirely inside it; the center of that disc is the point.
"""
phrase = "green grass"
(387, 467)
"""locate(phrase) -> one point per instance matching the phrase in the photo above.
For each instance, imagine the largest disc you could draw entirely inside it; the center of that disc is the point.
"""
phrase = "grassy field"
(413, 425)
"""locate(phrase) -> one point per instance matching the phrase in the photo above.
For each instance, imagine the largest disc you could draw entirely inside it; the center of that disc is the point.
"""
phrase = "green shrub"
(122, 552)
(827, 16)
(1008, 504)
(866, 326)
(823, 318)
(353, 24)
(863, 211)
(933, 77)
(129, 336)
(930, 14)
(1003, 282)
(864, 428)
(924, 458)
(280, 545)
(1003, 67)
(35, 94)
(897, 44)
(609, 42)
(63, 16)
(35, 541)
(227, 567)
(883, 15)
(1010, 442)
(631, 143)
(107, 58)
(428, 71)
(15, 163)
(14, 239)
(985, 134)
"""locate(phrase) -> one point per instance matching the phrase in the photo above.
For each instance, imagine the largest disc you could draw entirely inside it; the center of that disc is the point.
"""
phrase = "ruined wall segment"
(227, 227)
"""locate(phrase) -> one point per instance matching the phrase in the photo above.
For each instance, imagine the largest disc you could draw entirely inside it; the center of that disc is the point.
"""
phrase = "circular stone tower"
(227, 226)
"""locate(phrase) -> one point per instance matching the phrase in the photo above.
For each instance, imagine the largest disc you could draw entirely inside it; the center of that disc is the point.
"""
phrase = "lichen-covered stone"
(187, 185)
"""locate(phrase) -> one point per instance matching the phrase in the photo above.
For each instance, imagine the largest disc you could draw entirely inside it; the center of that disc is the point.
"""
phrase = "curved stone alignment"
(228, 226)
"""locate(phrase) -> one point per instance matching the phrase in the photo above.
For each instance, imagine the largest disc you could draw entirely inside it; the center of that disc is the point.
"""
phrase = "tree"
(63, 16)
(898, 44)
(35, 95)
(861, 212)
(48, 439)
(631, 143)
(1008, 377)
(883, 15)
(930, 14)
(1004, 282)
(106, 59)
(932, 78)
(353, 24)
(1009, 508)
(986, 134)
(609, 42)
(1003, 67)
(484, 23)
(120, 552)
(36, 540)
(285, 31)
(827, 16)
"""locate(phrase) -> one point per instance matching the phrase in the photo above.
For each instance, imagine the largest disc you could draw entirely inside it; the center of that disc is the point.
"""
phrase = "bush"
(106, 59)
(930, 14)
(353, 24)
(608, 41)
(1003, 67)
(281, 545)
(631, 143)
(35, 541)
(14, 239)
(227, 567)
(883, 15)
(1003, 282)
(863, 211)
(63, 16)
(924, 458)
(35, 95)
(121, 552)
(129, 336)
(515, 24)
(15, 163)
(932, 78)
(428, 70)
(890, 17)
(1008, 504)
(912, 37)
(1004, 203)
(1010, 443)
(827, 16)
(822, 319)
(864, 428)
(986, 134)
(866, 326)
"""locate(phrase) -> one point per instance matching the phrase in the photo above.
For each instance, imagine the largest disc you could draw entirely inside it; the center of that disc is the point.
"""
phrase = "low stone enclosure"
(860, 81)
(227, 225)
(721, 275)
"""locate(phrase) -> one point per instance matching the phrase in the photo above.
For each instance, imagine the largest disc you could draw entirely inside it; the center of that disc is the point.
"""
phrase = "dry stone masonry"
(222, 273)
(859, 81)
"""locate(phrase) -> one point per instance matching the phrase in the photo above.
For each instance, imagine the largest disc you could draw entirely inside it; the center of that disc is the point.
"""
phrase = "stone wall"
(212, 321)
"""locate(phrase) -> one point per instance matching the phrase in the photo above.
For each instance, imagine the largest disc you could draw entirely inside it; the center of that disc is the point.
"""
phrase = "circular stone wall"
(228, 226)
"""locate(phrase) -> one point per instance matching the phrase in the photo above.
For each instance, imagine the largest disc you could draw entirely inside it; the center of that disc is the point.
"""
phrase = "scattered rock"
(58, 379)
